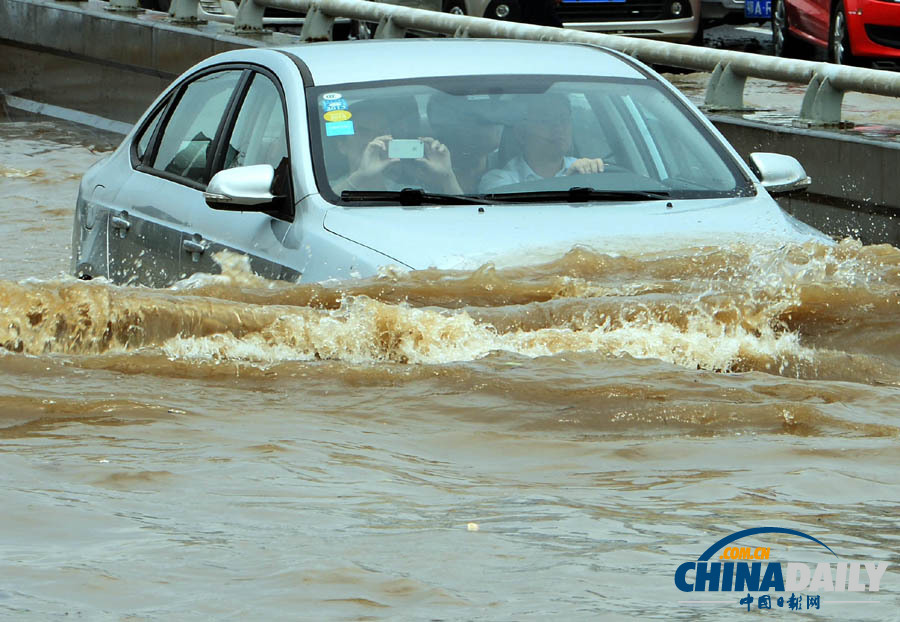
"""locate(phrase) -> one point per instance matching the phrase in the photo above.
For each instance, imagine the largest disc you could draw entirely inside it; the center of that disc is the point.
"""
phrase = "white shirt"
(516, 171)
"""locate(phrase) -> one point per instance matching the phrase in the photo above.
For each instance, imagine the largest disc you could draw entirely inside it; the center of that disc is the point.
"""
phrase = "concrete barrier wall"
(143, 41)
(78, 55)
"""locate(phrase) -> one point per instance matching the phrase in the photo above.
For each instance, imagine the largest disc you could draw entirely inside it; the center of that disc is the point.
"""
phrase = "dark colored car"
(670, 20)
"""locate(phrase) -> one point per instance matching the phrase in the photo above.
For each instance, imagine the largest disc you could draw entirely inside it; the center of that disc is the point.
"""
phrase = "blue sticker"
(337, 104)
(339, 128)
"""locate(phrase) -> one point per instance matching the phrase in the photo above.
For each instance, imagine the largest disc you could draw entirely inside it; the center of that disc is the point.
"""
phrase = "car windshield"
(514, 138)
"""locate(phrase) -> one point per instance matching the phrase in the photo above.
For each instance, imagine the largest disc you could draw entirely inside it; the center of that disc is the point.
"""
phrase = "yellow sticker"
(337, 115)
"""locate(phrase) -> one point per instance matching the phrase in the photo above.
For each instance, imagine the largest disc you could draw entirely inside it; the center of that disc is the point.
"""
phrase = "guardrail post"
(184, 12)
(387, 29)
(249, 19)
(124, 6)
(317, 25)
(725, 90)
(822, 104)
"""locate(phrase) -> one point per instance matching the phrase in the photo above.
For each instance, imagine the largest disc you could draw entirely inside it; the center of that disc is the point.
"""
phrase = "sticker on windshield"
(331, 96)
(334, 104)
(339, 128)
(337, 115)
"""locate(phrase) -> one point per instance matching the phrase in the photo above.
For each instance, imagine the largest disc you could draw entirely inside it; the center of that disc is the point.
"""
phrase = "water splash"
(742, 308)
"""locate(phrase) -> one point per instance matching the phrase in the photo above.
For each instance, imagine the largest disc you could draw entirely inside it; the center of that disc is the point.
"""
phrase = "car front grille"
(888, 36)
(628, 11)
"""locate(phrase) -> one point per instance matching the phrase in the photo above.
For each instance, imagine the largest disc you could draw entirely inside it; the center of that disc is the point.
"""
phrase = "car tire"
(155, 5)
(457, 7)
(839, 51)
(783, 42)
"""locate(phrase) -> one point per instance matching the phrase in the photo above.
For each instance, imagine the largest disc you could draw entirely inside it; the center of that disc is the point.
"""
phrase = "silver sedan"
(335, 160)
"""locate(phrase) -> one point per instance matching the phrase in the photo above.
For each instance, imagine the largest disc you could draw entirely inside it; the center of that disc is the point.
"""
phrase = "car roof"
(396, 59)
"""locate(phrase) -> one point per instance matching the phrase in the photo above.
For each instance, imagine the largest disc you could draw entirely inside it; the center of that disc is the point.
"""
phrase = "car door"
(256, 133)
(153, 206)
(170, 232)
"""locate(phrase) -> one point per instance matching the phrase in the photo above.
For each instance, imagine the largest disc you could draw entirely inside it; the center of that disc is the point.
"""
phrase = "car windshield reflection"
(518, 135)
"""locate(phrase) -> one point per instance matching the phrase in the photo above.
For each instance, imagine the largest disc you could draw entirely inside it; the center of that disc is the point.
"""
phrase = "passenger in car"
(466, 124)
(368, 166)
(544, 137)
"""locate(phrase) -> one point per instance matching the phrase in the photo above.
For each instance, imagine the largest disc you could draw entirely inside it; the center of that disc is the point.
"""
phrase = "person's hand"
(438, 164)
(586, 166)
(437, 157)
(372, 163)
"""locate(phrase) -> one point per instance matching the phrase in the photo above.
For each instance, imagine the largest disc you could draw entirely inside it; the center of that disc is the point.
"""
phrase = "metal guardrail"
(826, 83)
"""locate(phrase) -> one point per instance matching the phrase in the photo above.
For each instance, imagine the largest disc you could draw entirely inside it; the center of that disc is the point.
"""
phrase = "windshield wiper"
(578, 195)
(411, 196)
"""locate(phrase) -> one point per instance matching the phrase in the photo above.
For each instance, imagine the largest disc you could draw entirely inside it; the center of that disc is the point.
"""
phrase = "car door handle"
(195, 248)
(120, 224)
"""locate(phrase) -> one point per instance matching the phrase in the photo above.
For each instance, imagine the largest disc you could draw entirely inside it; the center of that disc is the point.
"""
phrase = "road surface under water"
(526, 443)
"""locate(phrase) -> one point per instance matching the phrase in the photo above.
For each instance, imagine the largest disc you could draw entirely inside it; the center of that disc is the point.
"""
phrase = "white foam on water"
(363, 330)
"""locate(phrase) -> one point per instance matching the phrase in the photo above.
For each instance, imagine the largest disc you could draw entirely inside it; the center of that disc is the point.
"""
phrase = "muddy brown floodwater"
(537, 443)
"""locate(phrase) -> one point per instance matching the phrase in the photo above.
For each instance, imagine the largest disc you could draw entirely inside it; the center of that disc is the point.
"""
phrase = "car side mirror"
(242, 189)
(779, 173)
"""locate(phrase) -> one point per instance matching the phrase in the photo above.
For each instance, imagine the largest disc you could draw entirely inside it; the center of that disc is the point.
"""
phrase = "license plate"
(759, 9)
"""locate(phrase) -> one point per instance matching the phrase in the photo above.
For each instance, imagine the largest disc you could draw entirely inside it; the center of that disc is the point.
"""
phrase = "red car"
(850, 31)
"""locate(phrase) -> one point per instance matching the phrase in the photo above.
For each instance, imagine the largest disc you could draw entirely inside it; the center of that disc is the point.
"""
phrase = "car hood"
(466, 237)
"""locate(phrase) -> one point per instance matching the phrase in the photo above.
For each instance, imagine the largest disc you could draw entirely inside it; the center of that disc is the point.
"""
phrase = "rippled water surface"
(527, 443)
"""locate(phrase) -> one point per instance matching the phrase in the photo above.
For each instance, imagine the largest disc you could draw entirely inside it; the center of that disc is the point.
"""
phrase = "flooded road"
(527, 443)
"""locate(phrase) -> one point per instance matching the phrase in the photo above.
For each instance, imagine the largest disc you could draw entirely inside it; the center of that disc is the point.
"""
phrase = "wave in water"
(802, 311)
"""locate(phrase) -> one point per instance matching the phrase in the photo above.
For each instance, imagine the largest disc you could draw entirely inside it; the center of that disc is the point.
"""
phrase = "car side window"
(144, 140)
(187, 139)
(259, 135)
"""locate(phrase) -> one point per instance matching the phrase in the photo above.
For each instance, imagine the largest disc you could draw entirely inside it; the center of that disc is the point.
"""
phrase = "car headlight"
(502, 10)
